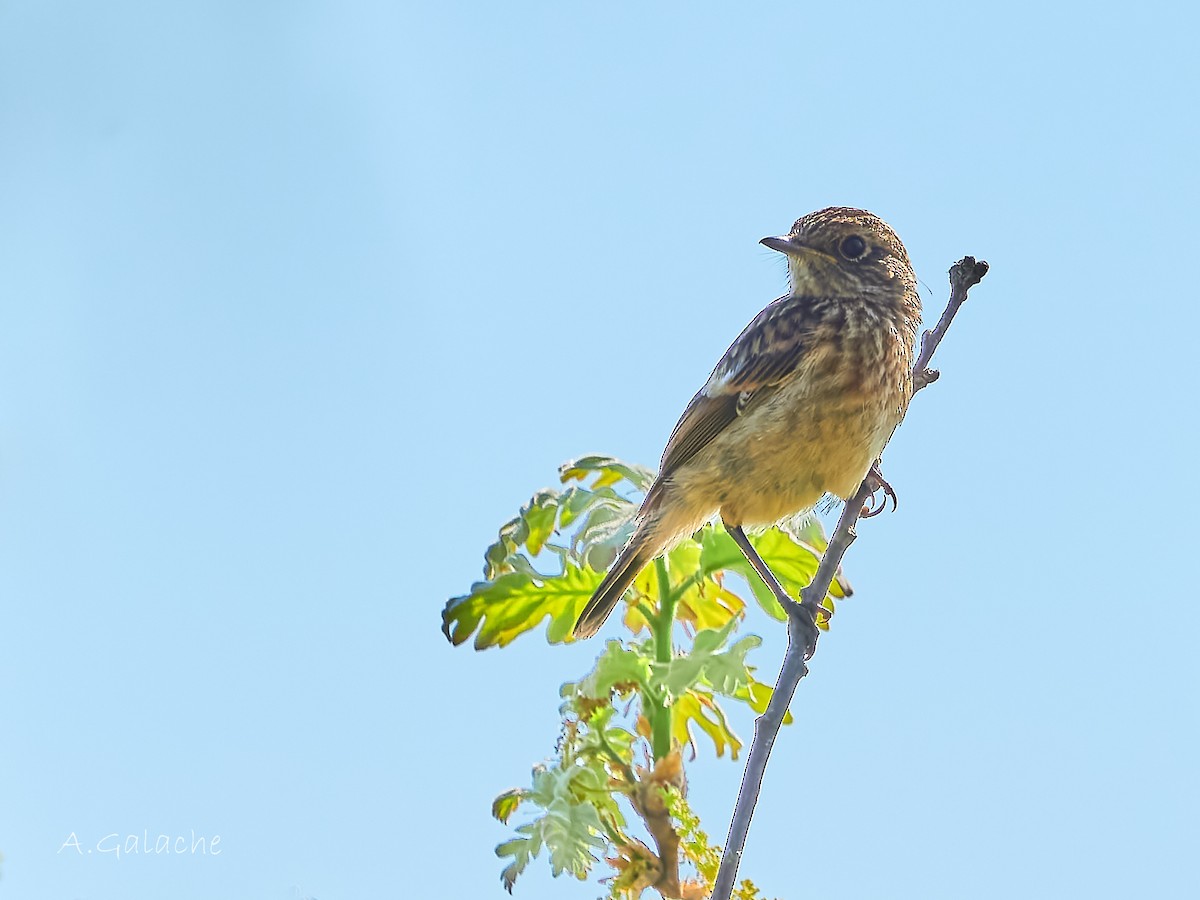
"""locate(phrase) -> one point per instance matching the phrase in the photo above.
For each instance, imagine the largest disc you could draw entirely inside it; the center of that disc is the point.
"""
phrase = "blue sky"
(300, 301)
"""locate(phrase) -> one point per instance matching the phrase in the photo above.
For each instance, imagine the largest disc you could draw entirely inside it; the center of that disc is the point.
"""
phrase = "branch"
(964, 275)
(650, 803)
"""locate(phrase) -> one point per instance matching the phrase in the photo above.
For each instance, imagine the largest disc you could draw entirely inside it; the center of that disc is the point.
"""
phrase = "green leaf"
(709, 604)
(702, 711)
(809, 532)
(727, 672)
(540, 514)
(609, 470)
(522, 850)
(506, 804)
(497, 558)
(569, 827)
(705, 664)
(679, 675)
(508, 600)
(602, 532)
(525, 536)
(701, 600)
(575, 500)
(518, 602)
(793, 562)
(603, 743)
(757, 695)
(618, 664)
(570, 832)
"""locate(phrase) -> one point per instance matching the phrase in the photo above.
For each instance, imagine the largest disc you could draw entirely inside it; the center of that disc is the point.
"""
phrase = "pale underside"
(787, 448)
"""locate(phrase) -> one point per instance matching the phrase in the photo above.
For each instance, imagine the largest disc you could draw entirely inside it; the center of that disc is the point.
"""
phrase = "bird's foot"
(802, 625)
(878, 484)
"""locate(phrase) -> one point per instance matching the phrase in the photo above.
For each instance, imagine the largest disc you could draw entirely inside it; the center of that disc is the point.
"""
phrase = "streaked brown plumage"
(801, 403)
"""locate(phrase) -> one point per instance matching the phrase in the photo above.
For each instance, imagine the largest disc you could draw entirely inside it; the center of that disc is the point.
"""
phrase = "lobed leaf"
(702, 711)
(757, 695)
(609, 470)
(517, 602)
(618, 664)
(522, 850)
(529, 529)
(707, 664)
(570, 832)
(506, 804)
(569, 827)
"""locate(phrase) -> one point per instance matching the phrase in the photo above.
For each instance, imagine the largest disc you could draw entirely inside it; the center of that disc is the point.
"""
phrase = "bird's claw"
(878, 483)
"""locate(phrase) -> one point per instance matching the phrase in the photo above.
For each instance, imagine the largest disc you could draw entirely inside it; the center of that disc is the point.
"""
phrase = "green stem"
(664, 625)
(625, 768)
(645, 610)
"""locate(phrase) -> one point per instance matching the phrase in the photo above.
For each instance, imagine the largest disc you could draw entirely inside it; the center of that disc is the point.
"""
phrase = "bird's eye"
(853, 247)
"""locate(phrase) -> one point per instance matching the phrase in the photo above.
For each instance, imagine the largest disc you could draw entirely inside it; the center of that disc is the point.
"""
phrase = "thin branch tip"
(968, 272)
(964, 275)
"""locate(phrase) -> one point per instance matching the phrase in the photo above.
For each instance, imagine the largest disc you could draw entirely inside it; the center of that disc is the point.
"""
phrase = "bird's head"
(841, 251)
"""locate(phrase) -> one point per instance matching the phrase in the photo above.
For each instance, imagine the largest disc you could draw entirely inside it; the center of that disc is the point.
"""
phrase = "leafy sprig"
(649, 695)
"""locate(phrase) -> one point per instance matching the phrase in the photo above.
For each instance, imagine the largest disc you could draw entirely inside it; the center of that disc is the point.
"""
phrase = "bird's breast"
(816, 433)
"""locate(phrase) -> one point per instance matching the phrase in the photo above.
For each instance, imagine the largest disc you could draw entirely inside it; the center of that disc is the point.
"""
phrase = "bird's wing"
(765, 354)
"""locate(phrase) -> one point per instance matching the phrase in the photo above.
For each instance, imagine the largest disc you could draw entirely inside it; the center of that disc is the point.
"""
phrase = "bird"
(799, 407)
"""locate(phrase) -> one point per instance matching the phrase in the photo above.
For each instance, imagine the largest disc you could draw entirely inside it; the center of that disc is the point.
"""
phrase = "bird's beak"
(785, 244)
(791, 245)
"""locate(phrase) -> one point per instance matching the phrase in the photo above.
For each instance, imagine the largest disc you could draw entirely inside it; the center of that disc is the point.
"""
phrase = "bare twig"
(964, 275)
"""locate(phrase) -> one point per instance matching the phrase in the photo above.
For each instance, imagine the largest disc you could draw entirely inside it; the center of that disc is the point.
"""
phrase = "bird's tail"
(662, 522)
(630, 561)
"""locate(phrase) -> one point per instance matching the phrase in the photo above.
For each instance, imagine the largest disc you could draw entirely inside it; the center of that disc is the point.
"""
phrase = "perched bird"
(800, 405)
